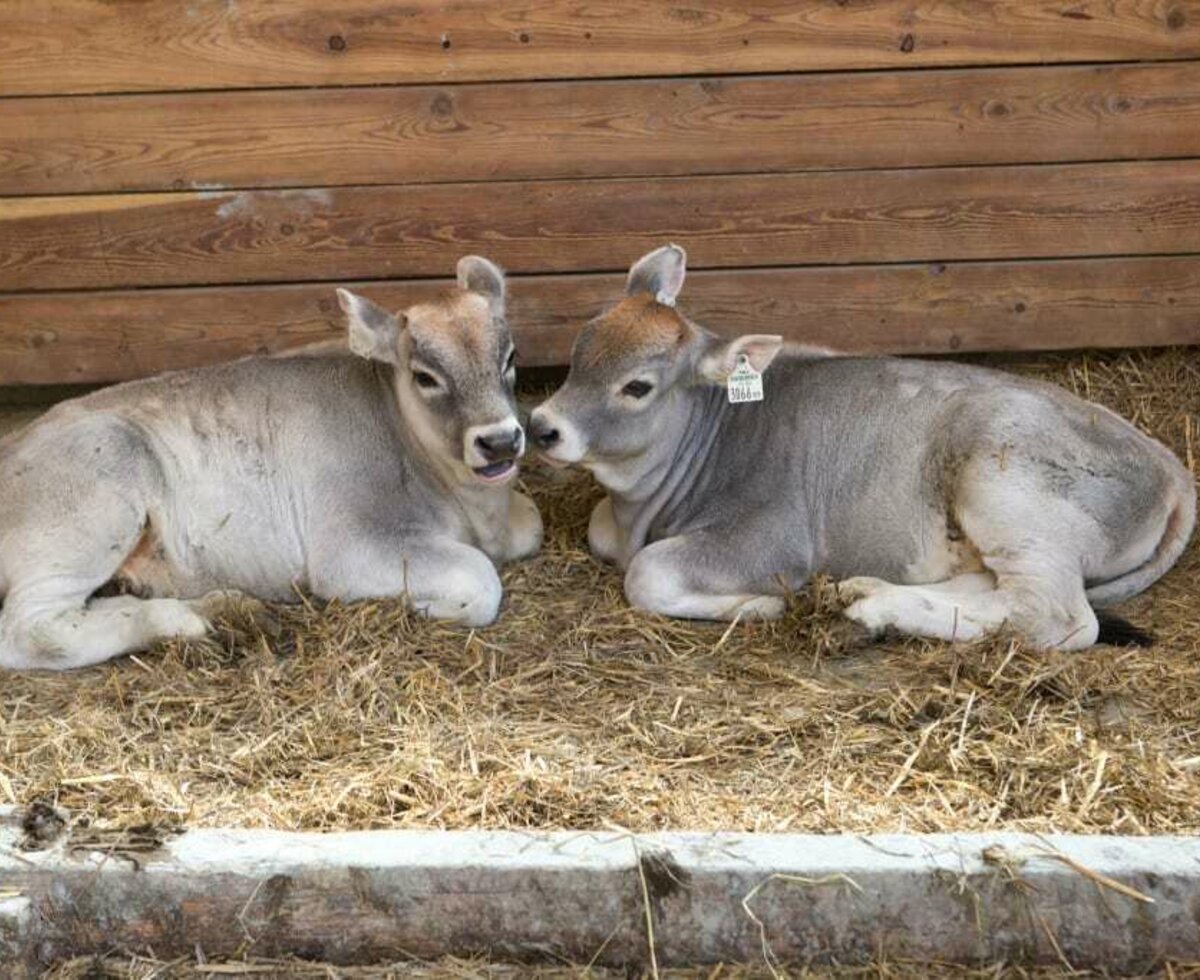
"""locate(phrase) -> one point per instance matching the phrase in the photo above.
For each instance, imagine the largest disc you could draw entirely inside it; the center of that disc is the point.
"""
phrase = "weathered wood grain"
(397, 135)
(1106, 902)
(65, 46)
(89, 337)
(598, 225)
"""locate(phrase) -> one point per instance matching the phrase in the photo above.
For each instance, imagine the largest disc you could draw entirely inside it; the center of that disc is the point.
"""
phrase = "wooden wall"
(185, 180)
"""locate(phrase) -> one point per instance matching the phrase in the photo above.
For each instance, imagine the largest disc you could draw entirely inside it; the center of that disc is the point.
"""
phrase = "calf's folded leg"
(441, 578)
(689, 576)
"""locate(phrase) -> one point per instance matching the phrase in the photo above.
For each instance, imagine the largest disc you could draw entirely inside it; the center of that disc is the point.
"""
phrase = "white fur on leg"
(103, 629)
(524, 528)
(970, 583)
(464, 595)
(850, 590)
(761, 607)
(221, 601)
(652, 585)
(604, 537)
(950, 611)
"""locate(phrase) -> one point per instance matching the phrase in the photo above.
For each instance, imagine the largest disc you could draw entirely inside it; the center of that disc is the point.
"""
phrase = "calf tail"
(1170, 546)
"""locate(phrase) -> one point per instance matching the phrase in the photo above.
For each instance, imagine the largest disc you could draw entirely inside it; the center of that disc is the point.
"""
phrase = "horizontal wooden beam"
(598, 129)
(1098, 902)
(65, 46)
(599, 225)
(52, 338)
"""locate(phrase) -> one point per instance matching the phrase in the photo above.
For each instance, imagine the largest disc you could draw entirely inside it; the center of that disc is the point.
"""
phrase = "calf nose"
(542, 432)
(499, 445)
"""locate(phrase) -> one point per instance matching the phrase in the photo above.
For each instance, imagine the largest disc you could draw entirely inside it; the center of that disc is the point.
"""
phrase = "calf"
(949, 499)
(383, 471)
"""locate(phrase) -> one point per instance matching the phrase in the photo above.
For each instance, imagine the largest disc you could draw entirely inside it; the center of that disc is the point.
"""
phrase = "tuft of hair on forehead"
(638, 324)
(455, 317)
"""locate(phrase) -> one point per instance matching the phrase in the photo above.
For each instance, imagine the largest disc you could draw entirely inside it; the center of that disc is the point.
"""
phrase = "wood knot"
(337, 43)
(1176, 19)
(908, 43)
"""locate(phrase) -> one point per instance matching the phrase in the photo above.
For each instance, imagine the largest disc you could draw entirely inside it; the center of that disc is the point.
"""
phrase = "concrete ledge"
(1115, 903)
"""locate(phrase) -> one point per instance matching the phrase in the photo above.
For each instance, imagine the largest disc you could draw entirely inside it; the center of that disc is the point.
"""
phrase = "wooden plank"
(579, 226)
(1106, 902)
(50, 338)
(66, 46)
(598, 129)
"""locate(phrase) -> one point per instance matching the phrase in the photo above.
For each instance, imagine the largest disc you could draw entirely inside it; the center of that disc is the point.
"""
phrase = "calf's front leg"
(524, 528)
(604, 536)
(690, 577)
(439, 577)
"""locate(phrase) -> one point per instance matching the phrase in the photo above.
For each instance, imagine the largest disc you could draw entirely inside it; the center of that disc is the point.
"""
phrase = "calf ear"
(479, 275)
(758, 348)
(659, 273)
(374, 332)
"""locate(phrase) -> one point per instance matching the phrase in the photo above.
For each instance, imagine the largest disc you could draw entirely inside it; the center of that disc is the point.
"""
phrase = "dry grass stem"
(575, 712)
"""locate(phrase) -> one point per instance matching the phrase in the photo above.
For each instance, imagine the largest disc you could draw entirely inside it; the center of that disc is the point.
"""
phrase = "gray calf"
(381, 474)
(949, 499)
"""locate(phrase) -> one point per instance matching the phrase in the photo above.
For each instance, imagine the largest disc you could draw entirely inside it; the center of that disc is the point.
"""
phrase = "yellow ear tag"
(744, 383)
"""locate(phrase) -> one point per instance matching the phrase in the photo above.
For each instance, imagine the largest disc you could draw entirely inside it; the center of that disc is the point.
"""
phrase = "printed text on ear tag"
(744, 383)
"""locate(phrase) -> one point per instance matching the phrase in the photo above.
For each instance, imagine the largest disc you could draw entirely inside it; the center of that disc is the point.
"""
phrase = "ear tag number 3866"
(744, 383)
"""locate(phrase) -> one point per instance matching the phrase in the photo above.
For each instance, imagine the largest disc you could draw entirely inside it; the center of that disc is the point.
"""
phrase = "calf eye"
(637, 389)
(511, 362)
(425, 380)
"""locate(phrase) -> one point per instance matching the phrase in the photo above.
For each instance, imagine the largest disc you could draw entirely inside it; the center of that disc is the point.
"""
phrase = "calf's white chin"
(554, 461)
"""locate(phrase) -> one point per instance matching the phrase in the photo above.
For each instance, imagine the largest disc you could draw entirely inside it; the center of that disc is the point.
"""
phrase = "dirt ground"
(574, 712)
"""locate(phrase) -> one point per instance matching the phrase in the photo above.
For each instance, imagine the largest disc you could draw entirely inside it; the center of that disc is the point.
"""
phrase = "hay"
(574, 712)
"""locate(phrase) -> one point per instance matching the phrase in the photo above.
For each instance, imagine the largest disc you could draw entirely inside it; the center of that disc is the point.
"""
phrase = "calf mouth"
(497, 472)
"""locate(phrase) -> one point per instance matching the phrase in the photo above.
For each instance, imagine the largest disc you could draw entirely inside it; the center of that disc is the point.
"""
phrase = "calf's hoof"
(173, 619)
(225, 600)
(850, 590)
(872, 616)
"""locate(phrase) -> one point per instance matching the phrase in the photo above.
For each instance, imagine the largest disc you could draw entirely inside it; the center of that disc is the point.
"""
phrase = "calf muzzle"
(543, 434)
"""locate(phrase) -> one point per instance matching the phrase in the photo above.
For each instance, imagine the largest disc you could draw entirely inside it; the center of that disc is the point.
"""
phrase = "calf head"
(454, 370)
(633, 369)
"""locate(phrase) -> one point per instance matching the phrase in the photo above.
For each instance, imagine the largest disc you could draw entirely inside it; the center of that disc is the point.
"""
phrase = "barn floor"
(574, 712)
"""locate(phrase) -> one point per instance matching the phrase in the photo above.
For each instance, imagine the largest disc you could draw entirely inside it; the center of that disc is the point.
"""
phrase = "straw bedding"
(574, 712)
